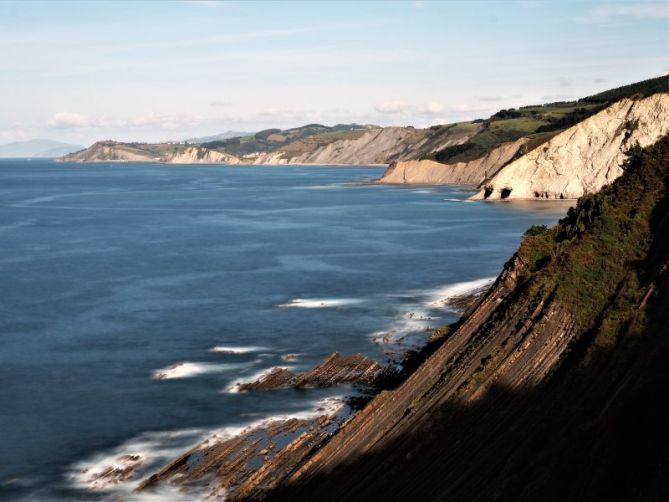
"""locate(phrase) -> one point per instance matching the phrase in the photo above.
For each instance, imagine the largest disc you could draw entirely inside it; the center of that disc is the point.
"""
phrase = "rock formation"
(251, 463)
(199, 155)
(585, 157)
(429, 172)
(334, 370)
(109, 151)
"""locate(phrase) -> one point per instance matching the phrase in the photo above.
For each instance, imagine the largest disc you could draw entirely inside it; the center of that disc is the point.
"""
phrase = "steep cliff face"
(105, 151)
(549, 389)
(199, 155)
(585, 157)
(374, 146)
(429, 172)
(112, 151)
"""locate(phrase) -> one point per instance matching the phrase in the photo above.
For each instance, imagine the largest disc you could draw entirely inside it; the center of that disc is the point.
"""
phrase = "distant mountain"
(219, 137)
(37, 148)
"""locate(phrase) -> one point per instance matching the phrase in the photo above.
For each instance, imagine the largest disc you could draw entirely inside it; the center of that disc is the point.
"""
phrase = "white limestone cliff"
(585, 157)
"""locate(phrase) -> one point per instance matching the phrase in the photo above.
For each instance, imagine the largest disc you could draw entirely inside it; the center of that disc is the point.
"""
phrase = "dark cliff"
(551, 389)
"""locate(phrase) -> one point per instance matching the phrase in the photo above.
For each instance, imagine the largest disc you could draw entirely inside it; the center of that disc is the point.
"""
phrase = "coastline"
(239, 164)
(124, 470)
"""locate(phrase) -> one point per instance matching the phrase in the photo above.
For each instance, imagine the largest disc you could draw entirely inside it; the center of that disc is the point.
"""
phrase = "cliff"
(199, 155)
(549, 390)
(106, 151)
(585, 157)
(475, 172)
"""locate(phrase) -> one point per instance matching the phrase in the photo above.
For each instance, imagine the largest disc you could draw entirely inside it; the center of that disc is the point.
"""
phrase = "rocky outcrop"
(429, 172)
(334, 370)
(251, 463)
(112, 151)
(375, 146)
(199, 155)
(109, 151)
(585, 157)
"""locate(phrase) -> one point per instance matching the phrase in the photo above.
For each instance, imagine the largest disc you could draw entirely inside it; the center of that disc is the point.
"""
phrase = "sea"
(136, 296)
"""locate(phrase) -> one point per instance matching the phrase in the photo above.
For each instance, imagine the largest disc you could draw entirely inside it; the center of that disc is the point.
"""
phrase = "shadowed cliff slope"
(552, 389)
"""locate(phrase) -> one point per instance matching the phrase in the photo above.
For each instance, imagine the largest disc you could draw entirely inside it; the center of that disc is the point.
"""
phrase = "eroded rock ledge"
(251, 463)
(334, 370)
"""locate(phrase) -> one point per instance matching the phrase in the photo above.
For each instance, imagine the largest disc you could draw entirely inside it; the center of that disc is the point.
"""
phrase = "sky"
(154, 71)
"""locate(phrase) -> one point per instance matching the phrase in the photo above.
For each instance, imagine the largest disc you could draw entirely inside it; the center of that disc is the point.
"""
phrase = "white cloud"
(68, 120)
(432, 108)
(398, 107)
(392, 107)
(640, 10)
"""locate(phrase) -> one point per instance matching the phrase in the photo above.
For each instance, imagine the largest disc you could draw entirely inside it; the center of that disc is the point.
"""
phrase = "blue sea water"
(113, 273)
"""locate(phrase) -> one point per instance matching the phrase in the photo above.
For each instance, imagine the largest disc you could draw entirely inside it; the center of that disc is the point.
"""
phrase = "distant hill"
(270, 140)
(37, 148)
(218, 137)
(495, 141)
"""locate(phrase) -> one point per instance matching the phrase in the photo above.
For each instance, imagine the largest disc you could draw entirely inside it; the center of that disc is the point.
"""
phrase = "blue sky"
(144, 71)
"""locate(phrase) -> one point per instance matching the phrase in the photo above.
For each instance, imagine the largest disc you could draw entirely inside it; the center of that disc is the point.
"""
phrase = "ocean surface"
(134, 296)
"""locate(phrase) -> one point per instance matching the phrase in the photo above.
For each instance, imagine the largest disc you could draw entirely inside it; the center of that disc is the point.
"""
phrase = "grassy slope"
(274, 139)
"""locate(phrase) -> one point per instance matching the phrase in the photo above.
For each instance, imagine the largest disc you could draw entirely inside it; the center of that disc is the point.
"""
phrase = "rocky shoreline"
(255, 462)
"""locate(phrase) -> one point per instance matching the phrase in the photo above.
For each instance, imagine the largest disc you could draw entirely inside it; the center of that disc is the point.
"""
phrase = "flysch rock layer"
(429, 172)
(374, 147)
(334, 370)
(200, 155)
(585, 157)
(109, 151)
(249, 464)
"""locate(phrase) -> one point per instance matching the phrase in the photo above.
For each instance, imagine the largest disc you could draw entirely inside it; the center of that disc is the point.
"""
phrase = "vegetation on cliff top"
(537, 121)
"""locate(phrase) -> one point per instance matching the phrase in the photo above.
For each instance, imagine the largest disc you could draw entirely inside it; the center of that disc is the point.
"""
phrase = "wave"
(235, 350)
(189, 369)
(414, 321)
(321, 303)
(440, 297)
(233, 387)
(125, 465)
(119, 471)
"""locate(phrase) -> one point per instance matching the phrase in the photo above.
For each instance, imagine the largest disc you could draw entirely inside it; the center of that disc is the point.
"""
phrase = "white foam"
(440, 297)
(327, 406)
(321, 303)
(145, 453)
(235, 350)
(452, 200)
(150, 451)
(188, 369)
(416, 320)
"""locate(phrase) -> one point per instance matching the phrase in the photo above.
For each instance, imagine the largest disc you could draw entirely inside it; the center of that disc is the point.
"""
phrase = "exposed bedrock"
(249, 464)
(334, 370)
(429, 172)
(585, 157)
